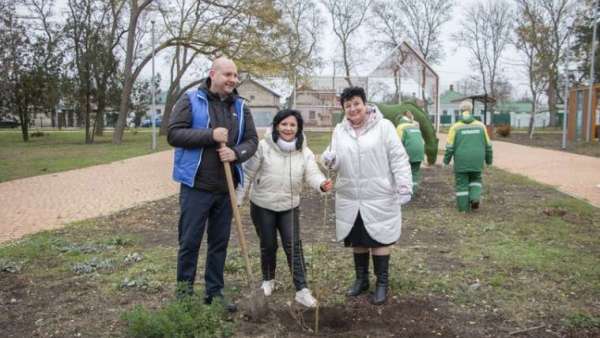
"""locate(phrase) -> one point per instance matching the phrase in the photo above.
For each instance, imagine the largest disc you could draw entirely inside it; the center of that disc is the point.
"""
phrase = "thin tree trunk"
(87, 118)
(532, 118)
(346, 65)
(128, 75)
(166, 115)
(24, 117)
(552, 101)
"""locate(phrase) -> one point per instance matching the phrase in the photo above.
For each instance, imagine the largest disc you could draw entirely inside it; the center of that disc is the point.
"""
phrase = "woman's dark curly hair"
(282, 115)
(350, 92)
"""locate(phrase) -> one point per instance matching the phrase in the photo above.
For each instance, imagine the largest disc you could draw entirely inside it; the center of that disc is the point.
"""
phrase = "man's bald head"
(223, 76)
(221, 62)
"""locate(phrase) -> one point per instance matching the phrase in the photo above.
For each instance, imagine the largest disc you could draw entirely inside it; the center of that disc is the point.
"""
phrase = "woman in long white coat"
(373, 181)
(275, 175)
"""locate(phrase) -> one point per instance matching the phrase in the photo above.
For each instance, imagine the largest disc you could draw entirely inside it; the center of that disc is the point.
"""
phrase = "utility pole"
(588, 131)
(566, 99)
(153, 94)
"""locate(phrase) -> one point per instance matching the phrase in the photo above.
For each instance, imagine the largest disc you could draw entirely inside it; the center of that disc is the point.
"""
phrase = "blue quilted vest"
(188, 161)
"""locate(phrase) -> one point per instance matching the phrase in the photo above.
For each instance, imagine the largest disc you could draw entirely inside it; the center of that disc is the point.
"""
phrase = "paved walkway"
(576, 175)
(49, 201)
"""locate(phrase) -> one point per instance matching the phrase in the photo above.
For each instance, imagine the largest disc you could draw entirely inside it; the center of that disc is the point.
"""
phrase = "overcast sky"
(454, 66)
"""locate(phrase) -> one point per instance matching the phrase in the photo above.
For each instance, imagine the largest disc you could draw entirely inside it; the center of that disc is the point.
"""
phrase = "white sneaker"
(305, 298)
(268, 287)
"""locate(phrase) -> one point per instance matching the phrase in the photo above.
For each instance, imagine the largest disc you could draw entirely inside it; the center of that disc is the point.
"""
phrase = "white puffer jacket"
(275, 177)
(372, 171)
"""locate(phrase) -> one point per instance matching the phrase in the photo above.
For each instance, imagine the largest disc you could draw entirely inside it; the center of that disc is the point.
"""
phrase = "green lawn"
(318, 141)
(58, 151)
(66, 150)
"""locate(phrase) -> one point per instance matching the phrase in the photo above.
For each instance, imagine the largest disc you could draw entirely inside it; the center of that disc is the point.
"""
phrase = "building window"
(311, 115)
(251, 97)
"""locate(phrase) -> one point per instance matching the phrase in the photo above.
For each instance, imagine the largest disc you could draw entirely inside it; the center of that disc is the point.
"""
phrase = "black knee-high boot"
(361, 266)
(381, 266)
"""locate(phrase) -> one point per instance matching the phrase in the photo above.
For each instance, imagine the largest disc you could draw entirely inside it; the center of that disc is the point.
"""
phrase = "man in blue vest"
(201, 121)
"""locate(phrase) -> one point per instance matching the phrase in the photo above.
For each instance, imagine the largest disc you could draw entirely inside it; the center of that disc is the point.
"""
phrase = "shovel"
(257, 304)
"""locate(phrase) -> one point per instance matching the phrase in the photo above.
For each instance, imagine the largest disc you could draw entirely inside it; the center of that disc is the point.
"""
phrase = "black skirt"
(359, 237)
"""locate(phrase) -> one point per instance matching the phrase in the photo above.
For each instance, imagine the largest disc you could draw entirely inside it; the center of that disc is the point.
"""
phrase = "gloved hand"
(328, 158)
(405, 198)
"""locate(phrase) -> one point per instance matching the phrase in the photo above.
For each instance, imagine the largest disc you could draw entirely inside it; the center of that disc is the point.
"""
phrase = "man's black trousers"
(202, 210)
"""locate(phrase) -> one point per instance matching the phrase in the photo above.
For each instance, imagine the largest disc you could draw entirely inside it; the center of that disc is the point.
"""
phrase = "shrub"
(503, 130)
(37, 134)
(188, 317)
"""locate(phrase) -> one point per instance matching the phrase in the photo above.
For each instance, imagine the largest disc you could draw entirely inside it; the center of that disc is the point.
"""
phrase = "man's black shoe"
(474, 205)
(230, 307)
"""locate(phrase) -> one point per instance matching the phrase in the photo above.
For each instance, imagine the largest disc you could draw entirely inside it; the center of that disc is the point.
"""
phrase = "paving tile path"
(573, 174)
(49, 201)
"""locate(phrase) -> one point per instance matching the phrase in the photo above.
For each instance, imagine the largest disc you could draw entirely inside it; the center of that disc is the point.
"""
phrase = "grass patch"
(39, 246)
(57, 151)
(185, 318)
(581, 320)
(318, 141)
(65, 150)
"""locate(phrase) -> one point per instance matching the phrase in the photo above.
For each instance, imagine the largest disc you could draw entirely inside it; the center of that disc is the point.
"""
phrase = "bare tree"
(531, 40)
(49, 38)
(347, 17)
(388, 24)
(485, 36)
(300, 26)
(582, 43)
(420, 21)
(135, 10)
(240, 29)
(469, 85)
(558, 16)
(29, 61)
(105, 63)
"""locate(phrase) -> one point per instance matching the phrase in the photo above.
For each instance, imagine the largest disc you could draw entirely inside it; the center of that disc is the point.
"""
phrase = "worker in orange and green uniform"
(469, 144)
(409, 133)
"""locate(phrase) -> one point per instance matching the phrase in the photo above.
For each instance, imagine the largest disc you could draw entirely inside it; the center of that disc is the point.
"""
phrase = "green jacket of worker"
(469, 144)
(410, 135)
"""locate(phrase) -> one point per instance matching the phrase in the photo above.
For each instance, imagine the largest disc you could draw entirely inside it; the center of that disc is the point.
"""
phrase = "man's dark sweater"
(211, 175)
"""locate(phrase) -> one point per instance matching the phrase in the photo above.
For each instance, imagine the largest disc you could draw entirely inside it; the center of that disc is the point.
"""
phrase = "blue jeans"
(202, 210)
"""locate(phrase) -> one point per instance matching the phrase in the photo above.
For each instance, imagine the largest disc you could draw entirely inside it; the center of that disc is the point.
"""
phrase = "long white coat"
(372, 171)
(275, 177)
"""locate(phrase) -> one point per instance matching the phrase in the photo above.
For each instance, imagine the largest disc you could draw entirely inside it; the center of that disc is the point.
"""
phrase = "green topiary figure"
(393, 112)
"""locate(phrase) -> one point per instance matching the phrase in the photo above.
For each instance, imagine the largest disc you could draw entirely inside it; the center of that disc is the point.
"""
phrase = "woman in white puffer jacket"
(275, 175)
(373, 181)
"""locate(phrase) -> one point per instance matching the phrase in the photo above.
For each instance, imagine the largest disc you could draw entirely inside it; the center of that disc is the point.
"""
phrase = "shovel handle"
(237, 217)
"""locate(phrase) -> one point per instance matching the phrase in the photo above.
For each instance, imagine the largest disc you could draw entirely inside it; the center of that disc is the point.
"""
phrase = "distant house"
(318, 98)
(517, 112)
(449, 109)
(318, 107)
(449, 104)
(263, 101)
